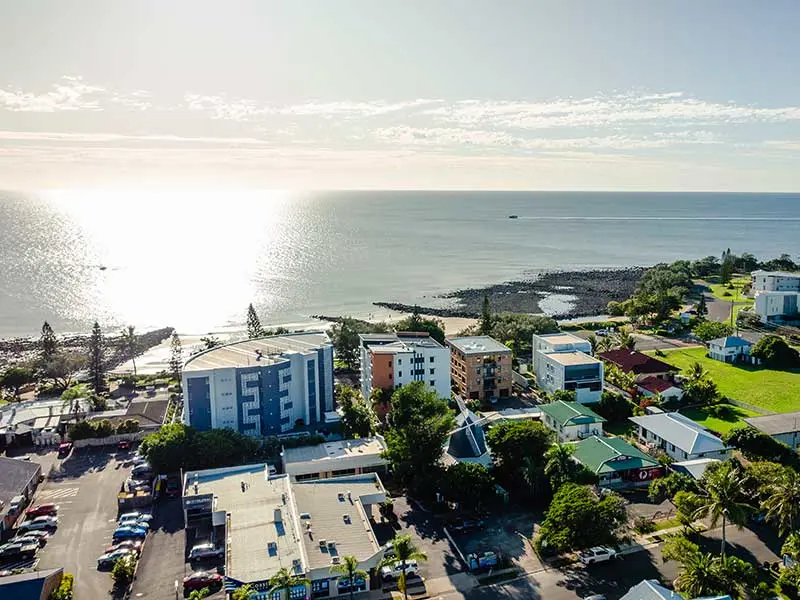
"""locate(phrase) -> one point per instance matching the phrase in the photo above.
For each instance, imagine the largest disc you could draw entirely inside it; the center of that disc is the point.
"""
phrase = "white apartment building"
(775, 281)
(391, 360)
(776, 306)
(562, 361)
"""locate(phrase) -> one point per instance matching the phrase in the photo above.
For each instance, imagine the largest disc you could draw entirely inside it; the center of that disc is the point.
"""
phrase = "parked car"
(390, 573)
(43, 510)
(135, 545)
(128, 532)
(133, 522)
(39, 523)
(135, 514)
(39, 534)
(142, 470)
(597, 554)
(124, 445)
(29, 538)
(109, 558)
(205, 550)
(200, 579)
(595, 597)
(173, 487)
(64, 449)
(466, 525)
(17, 551)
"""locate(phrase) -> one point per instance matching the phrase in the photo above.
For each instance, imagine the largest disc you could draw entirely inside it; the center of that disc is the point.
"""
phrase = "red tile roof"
(635, 362)
(655, 385)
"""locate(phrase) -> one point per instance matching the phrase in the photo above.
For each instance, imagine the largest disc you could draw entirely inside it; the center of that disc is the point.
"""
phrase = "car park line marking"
(53, 494)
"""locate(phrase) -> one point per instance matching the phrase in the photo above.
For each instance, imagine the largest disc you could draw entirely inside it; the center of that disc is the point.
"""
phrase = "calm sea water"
(194, 260)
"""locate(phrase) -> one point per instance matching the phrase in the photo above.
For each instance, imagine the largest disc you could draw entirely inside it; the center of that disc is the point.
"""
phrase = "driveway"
(85, 488)
(508, 536)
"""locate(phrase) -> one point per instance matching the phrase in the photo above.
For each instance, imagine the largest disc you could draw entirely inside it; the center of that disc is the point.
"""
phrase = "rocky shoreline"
(21, 350)
(592, 291)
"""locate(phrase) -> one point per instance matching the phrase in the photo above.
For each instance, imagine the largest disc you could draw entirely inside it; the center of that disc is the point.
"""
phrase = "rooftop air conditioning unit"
(335, 560)
(323, 544)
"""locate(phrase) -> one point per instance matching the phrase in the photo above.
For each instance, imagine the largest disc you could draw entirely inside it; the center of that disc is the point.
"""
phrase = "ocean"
(194, 260)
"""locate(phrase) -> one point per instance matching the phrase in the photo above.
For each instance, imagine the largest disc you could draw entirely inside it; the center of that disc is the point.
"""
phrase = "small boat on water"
(513, 217)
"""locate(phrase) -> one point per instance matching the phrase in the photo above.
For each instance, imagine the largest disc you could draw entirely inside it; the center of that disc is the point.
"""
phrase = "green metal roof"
(607, 455)
(571, 413)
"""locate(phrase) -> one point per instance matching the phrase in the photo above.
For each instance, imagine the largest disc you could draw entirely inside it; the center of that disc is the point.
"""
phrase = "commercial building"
(262, 386)
(638, 364)
(776, 307)
(480, 367)
(562, 361)
(775, 281)
(18, 482)
(267, 523)
(391, 360)
(335, 459)
(730, 349)
(33, 585)
(571, 420)
(679, 436)
(784, 427)
(616, 463)
(35, 422)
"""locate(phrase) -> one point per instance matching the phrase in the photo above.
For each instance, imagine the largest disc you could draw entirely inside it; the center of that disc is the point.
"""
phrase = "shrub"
(64, 589)
(775, 352)
(642, 525)
(123, 570)
(473, 405)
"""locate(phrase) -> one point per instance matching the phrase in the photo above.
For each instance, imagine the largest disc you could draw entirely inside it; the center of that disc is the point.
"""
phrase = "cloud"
(94, 138)
(69, 94)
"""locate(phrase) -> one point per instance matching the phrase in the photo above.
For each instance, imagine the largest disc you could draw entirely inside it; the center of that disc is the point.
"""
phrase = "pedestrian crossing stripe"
(57, 493)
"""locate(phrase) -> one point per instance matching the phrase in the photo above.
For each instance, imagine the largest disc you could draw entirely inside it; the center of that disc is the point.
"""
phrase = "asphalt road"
(87, 496)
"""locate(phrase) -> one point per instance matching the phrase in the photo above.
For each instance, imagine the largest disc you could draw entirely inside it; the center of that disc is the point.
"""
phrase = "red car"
(201, 579)
(42, 510)
(64, 449)
(135, 545)
(124, 445)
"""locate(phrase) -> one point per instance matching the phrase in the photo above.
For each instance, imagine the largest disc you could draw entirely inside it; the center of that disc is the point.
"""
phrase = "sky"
(401, 94)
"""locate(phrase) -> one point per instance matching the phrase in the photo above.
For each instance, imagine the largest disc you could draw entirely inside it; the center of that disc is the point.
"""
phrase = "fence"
(758, 409)
(111, 440)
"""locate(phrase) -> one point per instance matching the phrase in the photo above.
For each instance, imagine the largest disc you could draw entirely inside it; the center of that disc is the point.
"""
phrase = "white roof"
(37, 413)
(334, 456)
(558, 339)
(478, 344)
(256, 352)
(572, 358)
(775, 273)
(681, 431)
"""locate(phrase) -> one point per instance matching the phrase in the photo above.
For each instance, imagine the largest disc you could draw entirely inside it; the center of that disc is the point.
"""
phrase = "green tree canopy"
(349, 570)
(254, 328)
(614, 408)
(358, 420)
(665, 488)
(418, 426)
(48, 343)
(404, 551)
(512, 442)
(711, 330)
(775, 352)
(759, 446)
(578, 519)
(14, 378)
(176, 357)
(432, 326)
(97, 366)
(485, 324)
(660, 291)
(471, 485)
(783, 501)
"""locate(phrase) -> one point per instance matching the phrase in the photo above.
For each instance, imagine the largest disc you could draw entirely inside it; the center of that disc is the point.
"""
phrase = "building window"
(276, 595)
(399, 373)
(320, 589)
(433, 383)
(431, 359)
(343, 472)
(433, 371)
(298, 592)
(399, 361)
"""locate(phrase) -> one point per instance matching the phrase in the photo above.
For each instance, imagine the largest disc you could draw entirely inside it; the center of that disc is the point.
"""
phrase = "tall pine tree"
(96, 362)
(49, 345)
(254, 329)
(486, 316)
(176, 357)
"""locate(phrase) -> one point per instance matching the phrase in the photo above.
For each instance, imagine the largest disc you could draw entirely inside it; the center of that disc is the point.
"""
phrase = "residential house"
(679, 436)
(617, 463)
(784, 427)
(650, 589)
(665, 389)
(480, 367)
(638, 364)
(562, 361)
(776, 307)
(335, 459)
(775, 281)
(391, 360)
(571, 420)
(730, 349)
(263, 386)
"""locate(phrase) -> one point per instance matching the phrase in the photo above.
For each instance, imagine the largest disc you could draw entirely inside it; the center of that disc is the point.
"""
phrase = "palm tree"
(530, 472)
(130, 344)
(285, 580)
(603, 344)
(783, 503)
(698, 576)
(349, 568)
(722, 499)
(696, 373)
(791, 546)
(404, 551)
(625, 340)
(559, 464)
(243, 593)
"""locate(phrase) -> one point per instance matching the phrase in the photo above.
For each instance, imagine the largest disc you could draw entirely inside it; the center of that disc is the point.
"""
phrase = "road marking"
(54, 494)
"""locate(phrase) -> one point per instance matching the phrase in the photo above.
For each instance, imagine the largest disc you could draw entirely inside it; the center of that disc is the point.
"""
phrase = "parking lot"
(507, 535)
(85, 489)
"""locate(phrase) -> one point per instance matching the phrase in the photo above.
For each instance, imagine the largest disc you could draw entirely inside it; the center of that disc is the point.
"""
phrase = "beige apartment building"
(480, 367)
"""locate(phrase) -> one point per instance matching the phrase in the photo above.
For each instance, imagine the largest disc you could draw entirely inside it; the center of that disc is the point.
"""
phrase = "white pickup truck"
(596, 555)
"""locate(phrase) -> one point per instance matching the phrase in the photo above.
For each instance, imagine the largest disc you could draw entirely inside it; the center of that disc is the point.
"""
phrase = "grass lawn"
(778, 391)
(719, 290)
(620, 429)
(702, 417)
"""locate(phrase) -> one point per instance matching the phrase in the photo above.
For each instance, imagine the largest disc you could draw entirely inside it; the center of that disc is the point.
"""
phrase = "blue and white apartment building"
(262, 386)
